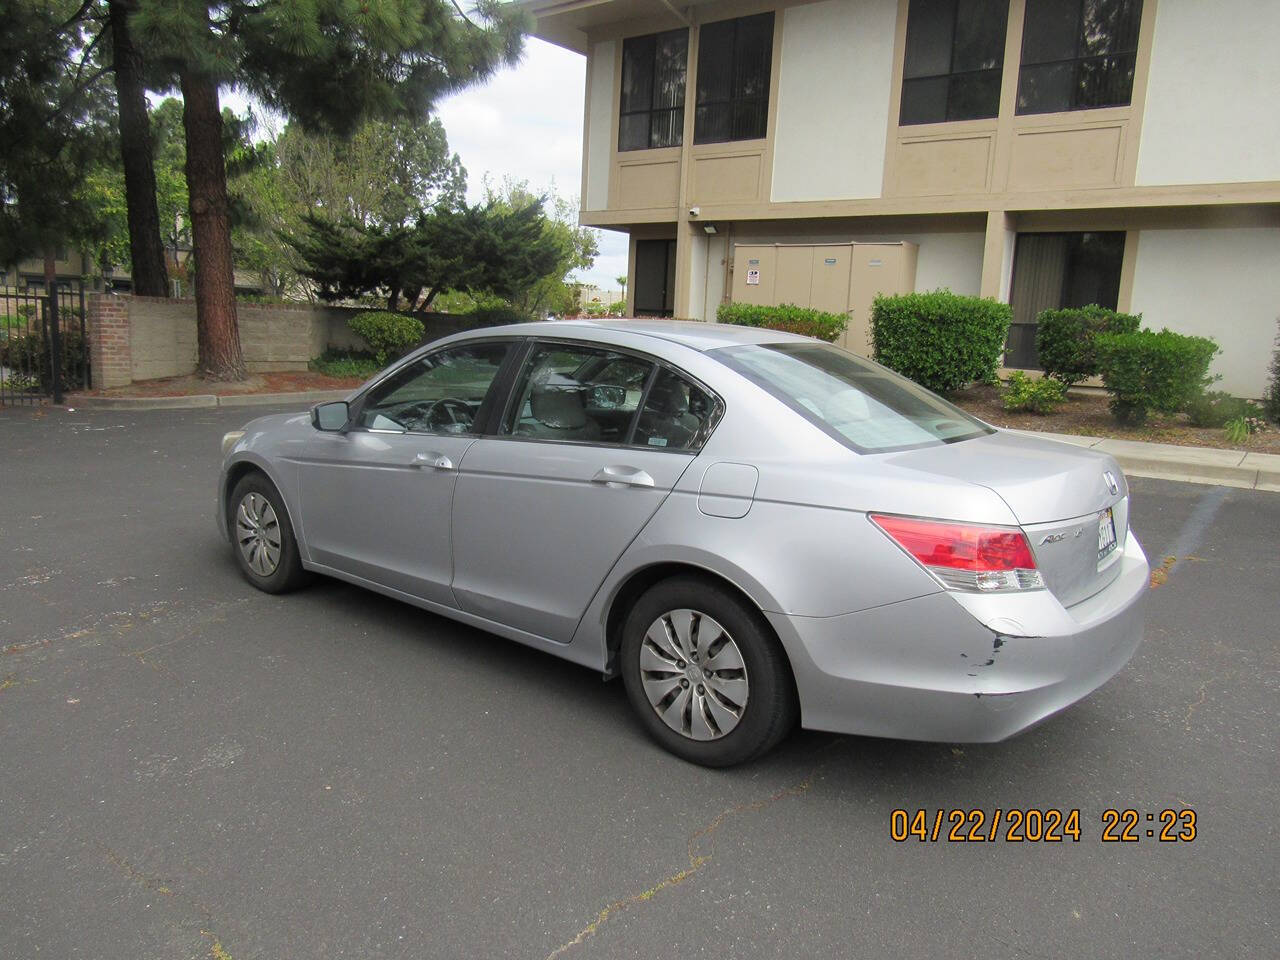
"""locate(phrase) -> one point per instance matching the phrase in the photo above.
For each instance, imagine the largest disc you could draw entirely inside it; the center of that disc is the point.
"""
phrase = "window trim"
(770, 87)
(952, 72)
(1078, 59)
(717, 414)
(651, 110)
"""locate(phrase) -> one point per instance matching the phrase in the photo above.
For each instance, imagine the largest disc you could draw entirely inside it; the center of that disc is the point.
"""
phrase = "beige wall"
(1223, 284)
(598, 147)
(1211, 113)
(833, 100)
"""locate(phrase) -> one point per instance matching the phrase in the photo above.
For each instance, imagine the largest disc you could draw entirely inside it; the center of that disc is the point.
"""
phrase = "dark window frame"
(952, 73)
(651, 110)
(733, 102)
(1079, 62)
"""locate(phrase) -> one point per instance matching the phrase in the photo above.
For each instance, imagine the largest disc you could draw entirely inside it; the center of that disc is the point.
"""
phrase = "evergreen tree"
(329, 65)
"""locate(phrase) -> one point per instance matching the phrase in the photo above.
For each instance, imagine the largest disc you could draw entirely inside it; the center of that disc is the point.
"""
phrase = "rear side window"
(676, 416)
(859, 403)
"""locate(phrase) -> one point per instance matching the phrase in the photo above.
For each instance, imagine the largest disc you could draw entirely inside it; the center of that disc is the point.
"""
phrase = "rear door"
(592, 442)
(376, 499)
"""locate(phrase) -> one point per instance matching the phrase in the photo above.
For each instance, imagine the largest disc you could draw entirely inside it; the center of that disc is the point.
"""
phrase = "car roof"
(694, 334)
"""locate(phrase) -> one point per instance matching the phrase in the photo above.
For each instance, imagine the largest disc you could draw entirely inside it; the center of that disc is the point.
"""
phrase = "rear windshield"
(859, 403)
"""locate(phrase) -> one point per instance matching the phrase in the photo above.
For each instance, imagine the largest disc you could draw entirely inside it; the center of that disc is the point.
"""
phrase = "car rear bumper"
(946, 668)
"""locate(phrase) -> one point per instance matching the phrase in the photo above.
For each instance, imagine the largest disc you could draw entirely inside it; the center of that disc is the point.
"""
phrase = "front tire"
(262, 539)
(705, 674)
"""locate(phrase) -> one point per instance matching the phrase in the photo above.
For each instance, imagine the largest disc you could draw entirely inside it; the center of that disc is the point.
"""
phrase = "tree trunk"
(50, 270)
(145, 247)
(217, 333)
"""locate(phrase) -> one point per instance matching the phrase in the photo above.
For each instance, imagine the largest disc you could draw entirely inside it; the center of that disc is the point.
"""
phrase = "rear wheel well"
(642, 580)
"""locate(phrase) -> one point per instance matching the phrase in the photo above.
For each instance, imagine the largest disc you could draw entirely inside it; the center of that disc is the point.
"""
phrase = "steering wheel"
(448, 412)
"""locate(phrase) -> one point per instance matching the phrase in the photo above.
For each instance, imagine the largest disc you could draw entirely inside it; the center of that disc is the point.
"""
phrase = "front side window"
(734, 61)
(651, 113)
(446, 392)
(954, 60)
(577, 393)
(1078, 54)
(1053, 271)
(859, 403)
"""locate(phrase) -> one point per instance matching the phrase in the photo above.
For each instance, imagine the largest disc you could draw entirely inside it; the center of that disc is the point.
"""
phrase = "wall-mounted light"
(709, 229)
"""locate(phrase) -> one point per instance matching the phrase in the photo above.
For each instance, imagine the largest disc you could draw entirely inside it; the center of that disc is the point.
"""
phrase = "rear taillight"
(966, 556)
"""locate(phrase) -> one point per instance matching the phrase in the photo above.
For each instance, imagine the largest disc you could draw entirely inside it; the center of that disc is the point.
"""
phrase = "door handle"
(623, 477)
(434, 459)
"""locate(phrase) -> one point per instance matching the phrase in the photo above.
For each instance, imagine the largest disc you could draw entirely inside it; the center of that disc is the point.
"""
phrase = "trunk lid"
(1060, 493)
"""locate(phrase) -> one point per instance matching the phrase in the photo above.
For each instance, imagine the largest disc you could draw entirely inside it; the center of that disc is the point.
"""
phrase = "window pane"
(580, 394)
(974, 96)
(713, 124)
(734, 65)
(715, 61)
(1051, 31)
(671, 62)
(653, 85)
(1105, 81)
(668, 128)
(981, 26)
(753, 56)
(1093, 270)
(1047, 89)
(441, 393)
(750, 117)
(1110, 26)
(929, 39)
(676, 414)
(637, 73)
(633, 131)
(860, 403)
(924, 101)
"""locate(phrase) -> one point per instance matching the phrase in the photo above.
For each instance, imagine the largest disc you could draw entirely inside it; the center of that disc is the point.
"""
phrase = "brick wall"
(146, 338)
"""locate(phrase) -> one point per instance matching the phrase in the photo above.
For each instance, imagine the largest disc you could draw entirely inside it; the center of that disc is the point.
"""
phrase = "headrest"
(556, 401)
(669, 397)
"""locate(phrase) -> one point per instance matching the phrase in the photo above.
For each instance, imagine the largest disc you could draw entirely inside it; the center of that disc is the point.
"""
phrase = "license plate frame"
(1107, 539)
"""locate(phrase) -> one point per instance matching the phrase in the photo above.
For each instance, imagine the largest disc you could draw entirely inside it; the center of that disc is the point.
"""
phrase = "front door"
(655, 285)
(593, 443)
(377, 498)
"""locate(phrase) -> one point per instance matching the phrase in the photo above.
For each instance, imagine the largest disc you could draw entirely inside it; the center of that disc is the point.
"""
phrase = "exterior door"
(376, 499)
(593, 444)
(655, 285)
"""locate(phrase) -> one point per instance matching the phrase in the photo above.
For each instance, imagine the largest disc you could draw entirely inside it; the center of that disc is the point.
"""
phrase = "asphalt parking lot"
(195, 769)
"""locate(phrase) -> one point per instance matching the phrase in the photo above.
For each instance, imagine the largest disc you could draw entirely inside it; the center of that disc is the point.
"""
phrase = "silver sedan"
(752, 529)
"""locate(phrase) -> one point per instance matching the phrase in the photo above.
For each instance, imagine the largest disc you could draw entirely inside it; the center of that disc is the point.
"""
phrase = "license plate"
(1106, 534)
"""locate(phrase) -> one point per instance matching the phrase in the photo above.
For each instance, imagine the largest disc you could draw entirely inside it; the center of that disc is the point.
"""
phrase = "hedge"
(1146, 371)
(1066, 339)
(388, 334)
(941, 340)
(787, 317)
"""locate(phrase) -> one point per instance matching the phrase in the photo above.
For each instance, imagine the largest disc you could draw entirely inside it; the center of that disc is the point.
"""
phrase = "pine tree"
(327, 64)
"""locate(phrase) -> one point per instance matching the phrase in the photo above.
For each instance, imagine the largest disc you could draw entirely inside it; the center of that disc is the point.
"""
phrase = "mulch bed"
(258, 383)
(1086, 414)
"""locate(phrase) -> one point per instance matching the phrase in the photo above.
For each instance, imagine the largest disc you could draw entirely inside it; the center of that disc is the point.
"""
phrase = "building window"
(1078, 54)
(954, 60)
(653, 81)
(1056, 270)
(734, 61)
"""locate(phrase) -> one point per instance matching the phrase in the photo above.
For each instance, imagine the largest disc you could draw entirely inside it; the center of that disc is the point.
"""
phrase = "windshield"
(858, 402)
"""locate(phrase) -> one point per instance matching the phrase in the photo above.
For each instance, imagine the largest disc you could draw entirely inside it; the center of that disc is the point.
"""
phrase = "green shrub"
(1041, 395)
(618, 308)
(941, 340)
(29, 356)
(388, 334)
(786, 317)
(497, 316)
(1065, 339)
(1215, 407)
(346, 363)
(1271, 401)
(1146, 371)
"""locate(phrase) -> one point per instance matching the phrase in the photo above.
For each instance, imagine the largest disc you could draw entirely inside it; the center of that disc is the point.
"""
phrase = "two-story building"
(1045, 152)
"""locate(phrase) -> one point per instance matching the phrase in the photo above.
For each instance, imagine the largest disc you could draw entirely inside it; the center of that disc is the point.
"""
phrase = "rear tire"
(705, 674)
(262, 539)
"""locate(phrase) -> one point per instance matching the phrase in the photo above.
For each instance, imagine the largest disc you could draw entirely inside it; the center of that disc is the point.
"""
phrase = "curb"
(206, 400)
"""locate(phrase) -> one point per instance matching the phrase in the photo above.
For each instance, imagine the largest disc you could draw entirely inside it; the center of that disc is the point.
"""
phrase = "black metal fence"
(44, 347)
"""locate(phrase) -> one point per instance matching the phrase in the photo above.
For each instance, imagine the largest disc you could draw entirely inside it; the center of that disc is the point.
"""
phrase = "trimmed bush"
(1146, 371)
(388, 334)
(786, 317)
(1041, 395)
(1065, 339)
(941, 340)
(346, 363)
(1215, 407)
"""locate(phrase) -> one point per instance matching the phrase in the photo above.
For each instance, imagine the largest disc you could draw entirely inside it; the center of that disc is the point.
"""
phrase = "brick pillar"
(107, 320)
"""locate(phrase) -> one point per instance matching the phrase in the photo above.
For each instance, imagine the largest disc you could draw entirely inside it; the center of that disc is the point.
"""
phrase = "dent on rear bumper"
(929, 669)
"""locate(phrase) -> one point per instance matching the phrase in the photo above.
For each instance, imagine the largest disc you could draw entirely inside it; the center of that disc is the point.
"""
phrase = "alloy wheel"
(258, 534)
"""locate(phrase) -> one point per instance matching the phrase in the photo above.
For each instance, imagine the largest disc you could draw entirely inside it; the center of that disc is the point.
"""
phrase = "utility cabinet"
(835, 277)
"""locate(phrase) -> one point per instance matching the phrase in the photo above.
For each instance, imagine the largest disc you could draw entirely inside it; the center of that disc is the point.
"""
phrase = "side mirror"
(330, 417)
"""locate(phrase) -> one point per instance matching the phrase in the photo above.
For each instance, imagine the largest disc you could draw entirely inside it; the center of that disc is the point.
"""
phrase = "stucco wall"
(1211, 112)
(600, 124)
(833, 100)
(1215, 283)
